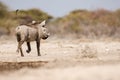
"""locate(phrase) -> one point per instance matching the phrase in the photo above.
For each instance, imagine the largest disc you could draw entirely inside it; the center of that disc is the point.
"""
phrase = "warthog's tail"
(18, 37)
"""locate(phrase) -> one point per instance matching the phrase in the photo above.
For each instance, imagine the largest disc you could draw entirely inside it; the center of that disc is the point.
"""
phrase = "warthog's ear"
(43, 23)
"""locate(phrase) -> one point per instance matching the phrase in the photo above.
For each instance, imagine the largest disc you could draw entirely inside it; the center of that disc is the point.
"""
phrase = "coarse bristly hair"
(25, 33)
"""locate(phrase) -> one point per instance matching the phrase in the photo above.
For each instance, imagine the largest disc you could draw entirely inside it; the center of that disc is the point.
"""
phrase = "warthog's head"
(44, 31)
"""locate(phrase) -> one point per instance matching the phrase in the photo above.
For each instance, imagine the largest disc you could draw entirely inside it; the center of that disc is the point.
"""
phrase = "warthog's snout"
(45, 37)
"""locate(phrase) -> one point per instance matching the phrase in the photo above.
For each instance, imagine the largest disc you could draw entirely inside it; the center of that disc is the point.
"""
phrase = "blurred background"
(85, 40)
(76, 19)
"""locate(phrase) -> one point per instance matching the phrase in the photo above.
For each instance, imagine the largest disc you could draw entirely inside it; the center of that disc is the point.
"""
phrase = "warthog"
(25, 33)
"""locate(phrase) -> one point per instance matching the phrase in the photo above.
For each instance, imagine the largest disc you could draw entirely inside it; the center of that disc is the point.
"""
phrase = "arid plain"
(61, 59)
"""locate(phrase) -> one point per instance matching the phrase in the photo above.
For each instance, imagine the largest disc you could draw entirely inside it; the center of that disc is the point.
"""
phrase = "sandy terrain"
(62, 59)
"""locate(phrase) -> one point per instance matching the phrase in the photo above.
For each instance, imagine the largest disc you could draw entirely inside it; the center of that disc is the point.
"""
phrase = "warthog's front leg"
(19, 47)
(29, 47)
(38, 47)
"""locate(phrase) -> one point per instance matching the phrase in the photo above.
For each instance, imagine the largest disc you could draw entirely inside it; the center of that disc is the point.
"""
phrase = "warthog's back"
(27, 33)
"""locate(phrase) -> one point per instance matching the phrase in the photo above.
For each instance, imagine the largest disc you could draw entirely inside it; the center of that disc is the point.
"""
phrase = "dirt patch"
(12, 66)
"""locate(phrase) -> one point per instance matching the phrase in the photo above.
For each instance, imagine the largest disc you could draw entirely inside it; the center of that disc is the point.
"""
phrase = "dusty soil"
(62, 59)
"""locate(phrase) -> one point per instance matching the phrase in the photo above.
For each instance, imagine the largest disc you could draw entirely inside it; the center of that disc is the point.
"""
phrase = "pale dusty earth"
(61, 59)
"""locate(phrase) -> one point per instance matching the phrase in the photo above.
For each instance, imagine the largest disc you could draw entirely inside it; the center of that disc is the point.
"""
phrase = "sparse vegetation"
(9, 19)
(91, 24)
(82, 23)
(88, 52)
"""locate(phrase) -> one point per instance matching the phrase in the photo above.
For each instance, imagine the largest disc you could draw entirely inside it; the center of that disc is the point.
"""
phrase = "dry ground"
(62, 59)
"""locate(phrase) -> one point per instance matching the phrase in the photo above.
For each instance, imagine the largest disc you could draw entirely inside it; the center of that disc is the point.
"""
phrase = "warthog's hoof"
(22, 55)
(39, 54)
(28, 51)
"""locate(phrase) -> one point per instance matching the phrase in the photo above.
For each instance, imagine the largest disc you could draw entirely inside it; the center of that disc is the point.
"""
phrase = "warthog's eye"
(43, 25)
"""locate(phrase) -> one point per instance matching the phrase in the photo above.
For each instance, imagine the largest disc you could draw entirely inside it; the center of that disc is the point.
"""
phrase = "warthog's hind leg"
(19, 47)
(21, 52)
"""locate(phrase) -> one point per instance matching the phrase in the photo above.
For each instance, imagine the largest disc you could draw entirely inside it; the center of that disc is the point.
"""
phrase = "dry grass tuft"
(88, 52)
